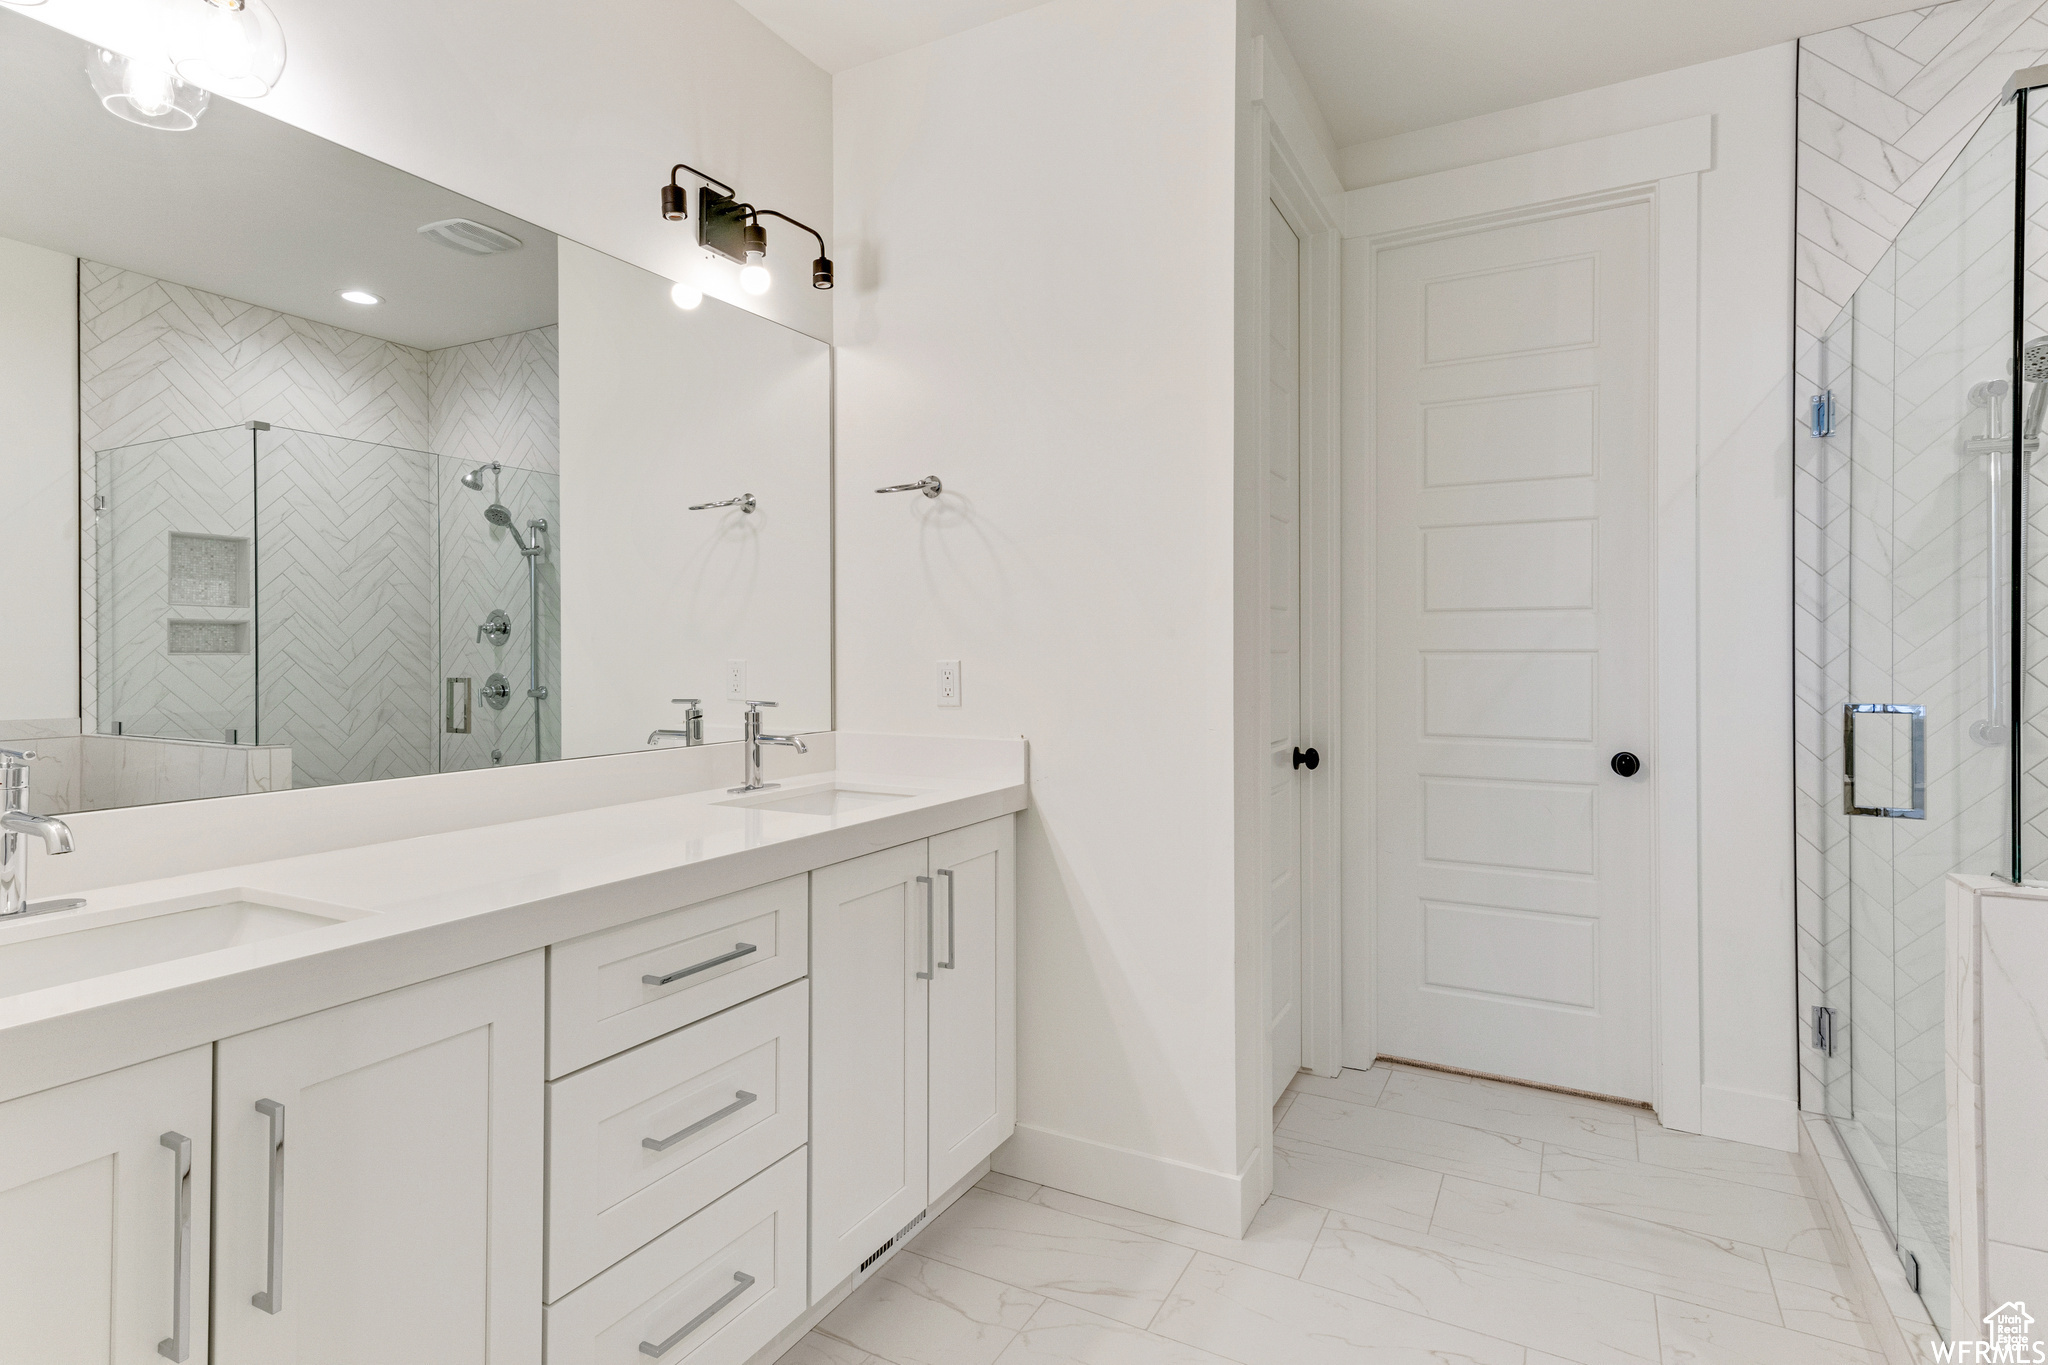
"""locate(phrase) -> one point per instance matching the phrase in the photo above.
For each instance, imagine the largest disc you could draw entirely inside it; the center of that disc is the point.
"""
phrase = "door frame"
(1278, 174)
(1659, 166)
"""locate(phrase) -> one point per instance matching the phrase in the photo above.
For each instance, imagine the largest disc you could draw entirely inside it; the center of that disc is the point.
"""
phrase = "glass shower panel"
(2032, 777)
(482, 572)
(173, 544)
(345, 636)
(1931, 499)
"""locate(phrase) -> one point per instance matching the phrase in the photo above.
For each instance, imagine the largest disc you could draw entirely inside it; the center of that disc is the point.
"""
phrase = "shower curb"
(1878, 1285)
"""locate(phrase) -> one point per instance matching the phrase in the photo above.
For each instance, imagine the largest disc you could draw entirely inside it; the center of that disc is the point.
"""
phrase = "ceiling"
(841, 34)
(1380, 67)
(249, 207)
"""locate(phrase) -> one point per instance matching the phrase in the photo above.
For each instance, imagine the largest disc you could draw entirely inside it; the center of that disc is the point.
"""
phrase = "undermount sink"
(80, 944)
(833, 800)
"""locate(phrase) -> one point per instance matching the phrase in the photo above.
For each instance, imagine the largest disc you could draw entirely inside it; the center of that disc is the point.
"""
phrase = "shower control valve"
(497, 628)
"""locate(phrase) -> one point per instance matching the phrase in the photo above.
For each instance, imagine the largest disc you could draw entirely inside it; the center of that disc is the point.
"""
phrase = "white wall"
(566, 115)
(1037, 221)
(662, 408)
(1745, 633)
(39, 481)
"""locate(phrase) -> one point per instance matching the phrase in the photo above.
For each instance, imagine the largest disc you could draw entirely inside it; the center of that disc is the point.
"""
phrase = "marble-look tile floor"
(1417, 1218)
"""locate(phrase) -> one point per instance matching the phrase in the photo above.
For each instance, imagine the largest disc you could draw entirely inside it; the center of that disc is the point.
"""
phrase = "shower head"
(2034, 370)
(474, 479)
(497, 514)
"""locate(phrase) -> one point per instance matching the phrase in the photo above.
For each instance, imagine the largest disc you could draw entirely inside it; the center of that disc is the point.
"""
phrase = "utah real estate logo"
(2008, 1337)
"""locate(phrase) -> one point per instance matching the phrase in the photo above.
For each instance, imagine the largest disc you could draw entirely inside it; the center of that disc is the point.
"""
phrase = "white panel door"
(90, 1235)
(871, 944)
(973, 1084)
(409, 1185)
(1516, 506)
(1280, 546)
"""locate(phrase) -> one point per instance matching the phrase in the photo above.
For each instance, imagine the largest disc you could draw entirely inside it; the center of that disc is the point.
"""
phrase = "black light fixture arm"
(821, 269)
(723, 188)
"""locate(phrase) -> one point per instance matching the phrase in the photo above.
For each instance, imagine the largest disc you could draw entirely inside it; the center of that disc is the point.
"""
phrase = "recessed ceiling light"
(362, 296)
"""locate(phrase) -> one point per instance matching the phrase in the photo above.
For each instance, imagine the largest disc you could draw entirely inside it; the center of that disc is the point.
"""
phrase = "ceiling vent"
(470, 238)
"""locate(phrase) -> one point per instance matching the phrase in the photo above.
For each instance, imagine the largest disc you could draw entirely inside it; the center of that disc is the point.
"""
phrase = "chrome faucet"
(15, 824)
(755, 739)
(692, 732)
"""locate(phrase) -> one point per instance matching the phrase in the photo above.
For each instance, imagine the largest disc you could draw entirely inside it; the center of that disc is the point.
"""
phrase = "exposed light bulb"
(362, 296)
(685, 295)
(233, 47)
(755, 278)
(144, 91)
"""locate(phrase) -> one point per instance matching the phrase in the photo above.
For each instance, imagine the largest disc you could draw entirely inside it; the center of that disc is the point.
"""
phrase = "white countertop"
(449, 900)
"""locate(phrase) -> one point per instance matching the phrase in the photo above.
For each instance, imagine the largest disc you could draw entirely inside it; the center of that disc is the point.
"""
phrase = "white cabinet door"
(96, 1264)
(973, 1091)
(401, 1220)
(870, 945)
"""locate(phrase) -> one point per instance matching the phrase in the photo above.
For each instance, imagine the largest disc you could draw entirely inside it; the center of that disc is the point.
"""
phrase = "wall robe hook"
(745, 502)
(929, 485)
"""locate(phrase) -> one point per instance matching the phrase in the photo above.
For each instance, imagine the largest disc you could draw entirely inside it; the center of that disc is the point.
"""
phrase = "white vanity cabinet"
(913, 1031)
(104, 1203)
(378, 1178)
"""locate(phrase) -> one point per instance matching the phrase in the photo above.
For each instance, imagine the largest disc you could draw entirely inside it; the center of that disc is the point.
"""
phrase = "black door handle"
(1307, 758)
(1625, 764)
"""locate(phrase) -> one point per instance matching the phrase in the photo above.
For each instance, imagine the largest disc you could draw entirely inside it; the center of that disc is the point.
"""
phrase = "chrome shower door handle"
(178, 1345)
(1851, 710)
(271, 1298)
(929, 947)
(952, 938)
(742, 1283)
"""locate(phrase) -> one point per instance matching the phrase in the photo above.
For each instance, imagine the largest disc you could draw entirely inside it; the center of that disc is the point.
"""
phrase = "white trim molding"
(1659, 166)
(1215, 1201)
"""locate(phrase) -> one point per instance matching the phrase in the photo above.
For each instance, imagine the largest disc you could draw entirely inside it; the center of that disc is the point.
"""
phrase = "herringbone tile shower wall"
(351, 615)
(1885, 107)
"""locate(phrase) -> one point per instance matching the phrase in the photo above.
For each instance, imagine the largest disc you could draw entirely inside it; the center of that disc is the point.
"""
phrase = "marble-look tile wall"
(1997, 1006)
(101, 772)
(499, 400)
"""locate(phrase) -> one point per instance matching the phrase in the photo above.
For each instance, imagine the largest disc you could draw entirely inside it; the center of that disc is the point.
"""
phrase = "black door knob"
(1307, 758)
(1625, 763)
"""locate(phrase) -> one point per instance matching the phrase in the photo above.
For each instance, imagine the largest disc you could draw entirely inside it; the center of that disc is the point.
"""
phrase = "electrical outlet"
(736, 679)
(949, 682)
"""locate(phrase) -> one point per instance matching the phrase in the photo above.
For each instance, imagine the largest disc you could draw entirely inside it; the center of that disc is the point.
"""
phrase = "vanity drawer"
(713, 1291)
(643, 1140)
(612, 990)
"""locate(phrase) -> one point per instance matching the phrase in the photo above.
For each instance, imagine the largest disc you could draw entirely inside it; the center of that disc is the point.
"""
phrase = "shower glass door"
(1926, 738)
(171, 536)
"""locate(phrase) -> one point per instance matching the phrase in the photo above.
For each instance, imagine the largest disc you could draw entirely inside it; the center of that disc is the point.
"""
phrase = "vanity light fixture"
(144, 90)
(231, 47)
(362, 296)
(733, 229)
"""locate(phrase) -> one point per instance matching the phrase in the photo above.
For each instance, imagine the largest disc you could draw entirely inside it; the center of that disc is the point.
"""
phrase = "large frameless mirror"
(316, 472)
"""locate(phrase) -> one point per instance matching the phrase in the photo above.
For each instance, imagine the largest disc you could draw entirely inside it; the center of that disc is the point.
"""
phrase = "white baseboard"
(1215, 1201)
(1745, 1116)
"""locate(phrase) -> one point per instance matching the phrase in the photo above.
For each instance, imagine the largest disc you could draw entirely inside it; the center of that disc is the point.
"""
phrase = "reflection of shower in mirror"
(497, 514)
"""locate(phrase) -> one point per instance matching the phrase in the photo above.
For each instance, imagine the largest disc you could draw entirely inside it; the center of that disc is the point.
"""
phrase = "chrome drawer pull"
(746, 1282)
(178, 1345)
(271, 1298)
(738, 950)
(952, 942)
(741, 1099)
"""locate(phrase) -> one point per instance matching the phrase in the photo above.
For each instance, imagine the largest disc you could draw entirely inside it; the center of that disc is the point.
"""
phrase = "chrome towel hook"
(929, 485)
(745, 502)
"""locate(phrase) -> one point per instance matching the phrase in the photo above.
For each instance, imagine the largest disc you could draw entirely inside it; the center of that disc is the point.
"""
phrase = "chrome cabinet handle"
(271, 1297)
(178, 1345)
(1850, 710)
(929, 946)
(929, 485)
(952, 942)
(740, 1100)
(745, 1282)
(738, 950)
